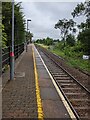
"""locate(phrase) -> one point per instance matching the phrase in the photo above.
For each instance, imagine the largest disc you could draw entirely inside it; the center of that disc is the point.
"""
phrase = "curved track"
(76, 94)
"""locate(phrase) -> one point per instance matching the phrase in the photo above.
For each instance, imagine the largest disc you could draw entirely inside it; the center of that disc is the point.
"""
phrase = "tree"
(82, 26)
(29, 36)
(6, 15)
(65, 27)
(84, 38)
(79, 10)
(49, 41)
(19, 22)
(84, 35)
(83, 9)
(4, 37)
(70, 40)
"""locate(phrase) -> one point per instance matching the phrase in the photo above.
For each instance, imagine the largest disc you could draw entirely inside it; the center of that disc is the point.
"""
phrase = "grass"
(81, 64)
(74, 62)
(45, 46)
(78, 63)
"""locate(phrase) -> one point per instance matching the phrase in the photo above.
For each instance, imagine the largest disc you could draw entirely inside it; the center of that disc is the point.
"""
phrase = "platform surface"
(18, 95)
(19, 98)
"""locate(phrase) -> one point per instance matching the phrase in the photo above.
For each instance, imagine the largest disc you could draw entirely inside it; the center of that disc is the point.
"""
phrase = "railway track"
(76, 94)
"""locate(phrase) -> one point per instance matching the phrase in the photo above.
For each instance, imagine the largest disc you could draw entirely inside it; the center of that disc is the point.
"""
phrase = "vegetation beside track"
(78, 63)
(73, 59)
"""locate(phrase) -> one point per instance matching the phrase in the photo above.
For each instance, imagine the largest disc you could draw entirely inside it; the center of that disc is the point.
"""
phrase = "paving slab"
(19, 95)
(48, 93)
(45, 83)
(53, 109)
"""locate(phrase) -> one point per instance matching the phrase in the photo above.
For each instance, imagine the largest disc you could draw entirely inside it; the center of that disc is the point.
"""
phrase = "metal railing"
(18, 49)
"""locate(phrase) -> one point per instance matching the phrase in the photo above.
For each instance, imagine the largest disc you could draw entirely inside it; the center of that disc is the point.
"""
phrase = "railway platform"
(33, 93)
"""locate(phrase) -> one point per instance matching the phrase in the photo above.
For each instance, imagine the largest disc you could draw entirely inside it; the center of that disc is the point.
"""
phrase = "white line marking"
(58, 90)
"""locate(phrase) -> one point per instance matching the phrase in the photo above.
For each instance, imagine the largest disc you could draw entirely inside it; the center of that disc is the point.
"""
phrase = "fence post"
(18, 50)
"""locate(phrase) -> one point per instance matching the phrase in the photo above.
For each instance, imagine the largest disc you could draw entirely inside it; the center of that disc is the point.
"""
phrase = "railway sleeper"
(80, 104)
(62, 78)
(71, 93)
(69, 84)
(75, 96)
(75, 90)
(58, 73)
(65, 81)
(62, 75)
(81, 100)
(66, 86)
(83, 112)
(72, 88)
(55, 71)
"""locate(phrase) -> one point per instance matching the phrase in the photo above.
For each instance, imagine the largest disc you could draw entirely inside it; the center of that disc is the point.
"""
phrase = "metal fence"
(18, 49)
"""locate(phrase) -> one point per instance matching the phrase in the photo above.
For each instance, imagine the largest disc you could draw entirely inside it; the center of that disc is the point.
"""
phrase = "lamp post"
(12, 46)
(27, 33)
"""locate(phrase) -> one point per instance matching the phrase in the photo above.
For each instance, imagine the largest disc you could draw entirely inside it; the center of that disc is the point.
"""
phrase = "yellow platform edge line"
(39, 102)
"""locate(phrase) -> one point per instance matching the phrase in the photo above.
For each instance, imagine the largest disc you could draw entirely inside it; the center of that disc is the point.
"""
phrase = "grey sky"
(44, 15)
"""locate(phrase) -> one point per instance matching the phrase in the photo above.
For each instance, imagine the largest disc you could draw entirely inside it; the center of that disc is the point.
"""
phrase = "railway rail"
(76, 94)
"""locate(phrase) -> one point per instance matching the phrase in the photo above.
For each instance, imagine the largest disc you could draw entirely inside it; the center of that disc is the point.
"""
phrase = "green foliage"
(39, 41)
(82, 9)
(70, 40)
(48, 41)
(19, 26)
(59, 45)
(82, 26)
(75, 51)
(73, 56)
(6, 8)
(71, 52)
(84, 35)
(84, 38)
(78, 47)
(79, 9)
(4, 37)
(29, 36)
(79, 64)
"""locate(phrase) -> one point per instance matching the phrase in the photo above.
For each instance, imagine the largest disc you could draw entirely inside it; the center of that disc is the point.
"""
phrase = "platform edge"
(39, 102)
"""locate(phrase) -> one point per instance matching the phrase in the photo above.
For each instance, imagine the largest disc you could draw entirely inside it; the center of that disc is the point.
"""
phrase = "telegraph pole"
(12, 46)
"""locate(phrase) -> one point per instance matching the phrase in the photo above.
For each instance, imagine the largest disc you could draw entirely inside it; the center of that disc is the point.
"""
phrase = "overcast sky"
(44, 15)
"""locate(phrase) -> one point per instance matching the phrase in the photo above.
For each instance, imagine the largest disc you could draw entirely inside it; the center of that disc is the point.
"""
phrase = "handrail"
(18, 49)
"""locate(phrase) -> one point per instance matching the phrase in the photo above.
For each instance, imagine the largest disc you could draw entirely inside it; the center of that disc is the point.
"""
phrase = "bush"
(59, 45)
(70, 40)
(84, 38)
